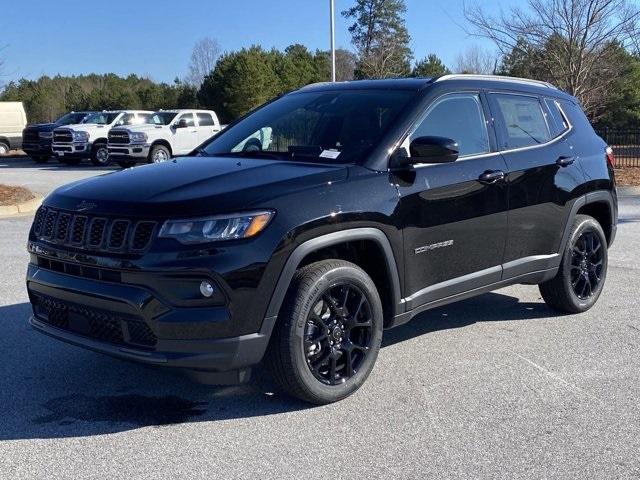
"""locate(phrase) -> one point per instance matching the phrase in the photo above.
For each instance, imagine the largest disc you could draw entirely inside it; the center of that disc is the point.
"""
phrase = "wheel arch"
(362, 246)
(162, 142)
(600, 205)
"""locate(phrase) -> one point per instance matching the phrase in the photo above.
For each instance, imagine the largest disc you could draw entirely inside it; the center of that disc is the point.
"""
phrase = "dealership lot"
(496, 386)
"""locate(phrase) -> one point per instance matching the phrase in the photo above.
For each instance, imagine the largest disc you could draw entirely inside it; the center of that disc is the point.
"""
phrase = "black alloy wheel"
(338, 334)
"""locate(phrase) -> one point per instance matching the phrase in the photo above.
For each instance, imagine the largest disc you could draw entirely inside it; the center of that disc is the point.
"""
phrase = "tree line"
(588, 48)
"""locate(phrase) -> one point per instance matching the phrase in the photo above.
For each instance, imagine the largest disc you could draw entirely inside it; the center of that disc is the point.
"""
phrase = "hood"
(193, 186)
(85, 127)
(41, 127)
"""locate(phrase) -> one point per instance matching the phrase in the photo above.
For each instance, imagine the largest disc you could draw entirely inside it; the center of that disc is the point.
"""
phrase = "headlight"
(45, 134)
(80, 136)
(137, 137)
(219, 227)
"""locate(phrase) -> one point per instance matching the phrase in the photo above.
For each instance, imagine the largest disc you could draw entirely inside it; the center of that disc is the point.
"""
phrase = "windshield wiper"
(515, 125)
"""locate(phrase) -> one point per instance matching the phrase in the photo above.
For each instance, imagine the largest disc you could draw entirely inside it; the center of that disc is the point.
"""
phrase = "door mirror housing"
(433, 150)
(182, 123)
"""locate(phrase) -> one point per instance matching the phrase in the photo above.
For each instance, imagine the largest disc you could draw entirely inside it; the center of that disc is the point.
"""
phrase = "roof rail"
(499, 78)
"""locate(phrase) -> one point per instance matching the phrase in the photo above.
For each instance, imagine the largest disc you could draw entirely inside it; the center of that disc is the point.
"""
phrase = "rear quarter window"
(557, 121)
(577, 118)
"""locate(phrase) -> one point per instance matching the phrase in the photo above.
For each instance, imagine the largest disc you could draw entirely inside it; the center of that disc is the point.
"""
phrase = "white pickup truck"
(88, 139)
(167, 133)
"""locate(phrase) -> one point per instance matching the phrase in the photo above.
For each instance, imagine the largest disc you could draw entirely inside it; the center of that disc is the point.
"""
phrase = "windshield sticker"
(330, 154)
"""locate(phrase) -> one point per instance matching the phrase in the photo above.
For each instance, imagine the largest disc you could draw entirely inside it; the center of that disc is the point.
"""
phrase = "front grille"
(30, 136)
(115, 328)
(93, 233)
(118, 137)
(62, 136)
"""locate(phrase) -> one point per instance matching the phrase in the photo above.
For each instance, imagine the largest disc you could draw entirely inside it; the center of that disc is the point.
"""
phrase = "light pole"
(333, 40)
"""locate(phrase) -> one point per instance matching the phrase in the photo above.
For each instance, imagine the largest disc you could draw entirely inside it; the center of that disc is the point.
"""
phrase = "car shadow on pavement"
(53, 390)
(54, 165)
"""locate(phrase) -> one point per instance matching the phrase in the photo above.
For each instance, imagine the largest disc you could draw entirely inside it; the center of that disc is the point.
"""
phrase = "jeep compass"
(299, 233)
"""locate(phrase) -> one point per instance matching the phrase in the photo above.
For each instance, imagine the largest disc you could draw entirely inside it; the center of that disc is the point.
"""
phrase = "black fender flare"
(598, 196)
(335, 238)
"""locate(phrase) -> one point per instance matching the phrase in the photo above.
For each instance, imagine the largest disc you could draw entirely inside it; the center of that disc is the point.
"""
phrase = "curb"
(24, 207)
(628, 191)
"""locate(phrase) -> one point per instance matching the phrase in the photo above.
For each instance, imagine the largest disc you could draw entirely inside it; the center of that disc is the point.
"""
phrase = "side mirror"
(434, 150)
(182, 123)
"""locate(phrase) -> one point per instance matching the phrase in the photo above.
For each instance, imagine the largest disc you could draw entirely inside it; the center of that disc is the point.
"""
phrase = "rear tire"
(328, 335)
(100, 155)
(583, 269)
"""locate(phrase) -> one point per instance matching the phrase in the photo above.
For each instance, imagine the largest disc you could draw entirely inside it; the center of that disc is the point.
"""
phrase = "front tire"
(4, 148)
(100, 155)
(583, 269)
(159, 154)
(328, 336)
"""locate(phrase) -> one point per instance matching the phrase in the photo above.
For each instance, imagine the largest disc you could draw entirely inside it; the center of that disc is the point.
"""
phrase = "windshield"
(101, 118)
(71, 118)
(333, 126)
(161, 118)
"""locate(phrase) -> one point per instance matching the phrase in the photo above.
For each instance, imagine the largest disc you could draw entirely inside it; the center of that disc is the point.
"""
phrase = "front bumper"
(71, 150)
(133, 322)
(41, 148)
(133, 152)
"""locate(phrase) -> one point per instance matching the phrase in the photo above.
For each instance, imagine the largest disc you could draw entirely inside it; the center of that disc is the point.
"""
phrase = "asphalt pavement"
(498, 386)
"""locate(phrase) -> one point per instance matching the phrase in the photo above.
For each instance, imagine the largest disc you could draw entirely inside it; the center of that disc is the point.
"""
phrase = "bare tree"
(203, 60)
(577, 43)
(475, 60)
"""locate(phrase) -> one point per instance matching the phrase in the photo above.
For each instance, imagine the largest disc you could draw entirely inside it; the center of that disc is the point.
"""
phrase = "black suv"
(37, 138)
(307, 227)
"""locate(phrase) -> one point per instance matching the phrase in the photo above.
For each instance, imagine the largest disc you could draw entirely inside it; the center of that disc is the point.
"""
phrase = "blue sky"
(155, 37)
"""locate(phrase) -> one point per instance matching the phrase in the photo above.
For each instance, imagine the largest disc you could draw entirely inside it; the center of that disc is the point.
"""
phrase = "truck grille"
(89, 322)
(118, 137)
(93, 233)
(30, 136)
(62, 136)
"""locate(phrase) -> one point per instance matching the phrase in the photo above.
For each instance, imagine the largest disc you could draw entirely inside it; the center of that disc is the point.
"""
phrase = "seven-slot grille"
(118, 137)
(62, 136)
(95, 233)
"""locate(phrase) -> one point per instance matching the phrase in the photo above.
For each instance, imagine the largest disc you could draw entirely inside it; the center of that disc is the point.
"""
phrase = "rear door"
(206, 126)
(454, 215)
(542, 177)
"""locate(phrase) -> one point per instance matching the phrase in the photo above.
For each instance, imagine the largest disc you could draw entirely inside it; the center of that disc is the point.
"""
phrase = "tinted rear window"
(523, 122)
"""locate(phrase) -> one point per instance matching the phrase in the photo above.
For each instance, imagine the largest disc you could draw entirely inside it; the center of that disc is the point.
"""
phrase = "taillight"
(611, 160)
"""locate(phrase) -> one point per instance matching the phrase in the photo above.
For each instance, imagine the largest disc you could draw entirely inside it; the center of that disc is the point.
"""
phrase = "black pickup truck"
(37, 138)
(300, 232)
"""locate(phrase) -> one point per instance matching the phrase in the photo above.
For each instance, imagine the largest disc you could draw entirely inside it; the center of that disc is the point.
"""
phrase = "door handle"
(492, 176)
(565, 161)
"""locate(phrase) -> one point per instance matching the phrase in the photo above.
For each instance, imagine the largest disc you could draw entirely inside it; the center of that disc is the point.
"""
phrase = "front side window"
(71, 118)
(329, 126)
(205, 119)
(457, 116)
(161, 118)
(522, 121)
(189, 118)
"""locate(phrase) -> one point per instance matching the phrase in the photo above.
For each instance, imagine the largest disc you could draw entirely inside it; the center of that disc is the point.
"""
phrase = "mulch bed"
(14, 195)
(628, 176)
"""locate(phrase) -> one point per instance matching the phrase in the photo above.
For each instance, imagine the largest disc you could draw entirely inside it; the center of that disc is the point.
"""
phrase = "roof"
(416, 84)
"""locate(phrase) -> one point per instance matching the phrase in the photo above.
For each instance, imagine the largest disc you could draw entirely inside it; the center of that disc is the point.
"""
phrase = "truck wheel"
(71, 161)
(126, 163)
(328, 335)
(159, 154)
(582, 271)
(4, 148)
(40, 159)
(100, 155)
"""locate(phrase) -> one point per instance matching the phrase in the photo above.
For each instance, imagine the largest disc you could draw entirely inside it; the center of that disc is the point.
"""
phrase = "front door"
(186, 139)
(454, 215)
